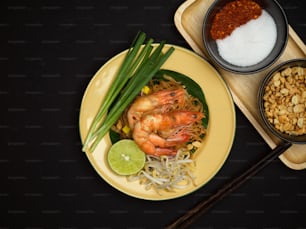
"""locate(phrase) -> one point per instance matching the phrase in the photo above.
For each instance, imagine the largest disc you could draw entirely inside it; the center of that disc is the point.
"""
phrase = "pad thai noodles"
(166, 123)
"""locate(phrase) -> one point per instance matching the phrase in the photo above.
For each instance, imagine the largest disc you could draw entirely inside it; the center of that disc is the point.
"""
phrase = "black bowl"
(280, 19)
(298, 139)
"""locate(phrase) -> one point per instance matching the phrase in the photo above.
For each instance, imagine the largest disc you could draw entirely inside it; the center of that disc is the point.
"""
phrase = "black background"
(51, 50)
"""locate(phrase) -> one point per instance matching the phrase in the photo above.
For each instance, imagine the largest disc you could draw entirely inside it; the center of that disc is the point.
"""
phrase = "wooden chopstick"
(189, 217)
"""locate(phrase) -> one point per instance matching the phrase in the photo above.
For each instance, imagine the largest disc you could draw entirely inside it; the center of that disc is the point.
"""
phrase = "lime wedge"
(125, 157)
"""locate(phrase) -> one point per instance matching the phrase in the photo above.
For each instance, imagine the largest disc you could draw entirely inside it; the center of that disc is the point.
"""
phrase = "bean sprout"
(167, 173)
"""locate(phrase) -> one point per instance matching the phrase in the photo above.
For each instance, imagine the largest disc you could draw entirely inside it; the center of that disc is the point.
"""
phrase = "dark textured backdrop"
(50, 50)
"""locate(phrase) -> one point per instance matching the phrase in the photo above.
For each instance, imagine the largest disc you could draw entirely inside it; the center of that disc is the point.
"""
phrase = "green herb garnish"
(139, 65)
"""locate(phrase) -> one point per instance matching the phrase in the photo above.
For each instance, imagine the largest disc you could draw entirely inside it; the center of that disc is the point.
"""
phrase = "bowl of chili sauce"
(245, 36)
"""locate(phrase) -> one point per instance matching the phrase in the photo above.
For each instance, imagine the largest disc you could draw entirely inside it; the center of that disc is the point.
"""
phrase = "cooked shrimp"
(146, 131)
(158, 101)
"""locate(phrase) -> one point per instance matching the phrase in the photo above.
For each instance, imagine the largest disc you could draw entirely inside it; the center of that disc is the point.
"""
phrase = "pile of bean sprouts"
(166, 173)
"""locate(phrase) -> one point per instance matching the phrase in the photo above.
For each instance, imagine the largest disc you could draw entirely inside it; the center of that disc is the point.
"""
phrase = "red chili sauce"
(233, 15)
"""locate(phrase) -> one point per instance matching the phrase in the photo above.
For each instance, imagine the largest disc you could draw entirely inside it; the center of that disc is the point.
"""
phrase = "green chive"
(139, 65)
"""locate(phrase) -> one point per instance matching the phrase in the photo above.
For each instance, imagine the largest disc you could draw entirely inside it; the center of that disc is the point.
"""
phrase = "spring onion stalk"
(142, 76)
(129, 64)
(138, 67)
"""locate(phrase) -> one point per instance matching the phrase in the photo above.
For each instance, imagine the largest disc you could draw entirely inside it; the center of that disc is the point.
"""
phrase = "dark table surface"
(53, 49)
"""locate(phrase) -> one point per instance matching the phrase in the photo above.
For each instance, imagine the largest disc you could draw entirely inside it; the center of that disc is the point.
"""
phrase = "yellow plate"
(218, 141)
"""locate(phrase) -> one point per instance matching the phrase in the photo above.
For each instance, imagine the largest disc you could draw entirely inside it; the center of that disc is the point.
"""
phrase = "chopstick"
(192, 215)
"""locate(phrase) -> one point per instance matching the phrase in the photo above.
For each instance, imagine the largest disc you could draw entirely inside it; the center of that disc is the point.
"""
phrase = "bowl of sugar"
(245, 36)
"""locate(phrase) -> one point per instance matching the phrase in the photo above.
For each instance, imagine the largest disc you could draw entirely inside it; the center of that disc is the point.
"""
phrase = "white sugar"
(249, 43)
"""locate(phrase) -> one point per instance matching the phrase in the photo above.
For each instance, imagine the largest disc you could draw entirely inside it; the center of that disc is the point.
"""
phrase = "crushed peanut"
(285, 100)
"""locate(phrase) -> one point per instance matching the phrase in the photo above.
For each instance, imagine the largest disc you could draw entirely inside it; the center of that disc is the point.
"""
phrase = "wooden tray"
(189, 19)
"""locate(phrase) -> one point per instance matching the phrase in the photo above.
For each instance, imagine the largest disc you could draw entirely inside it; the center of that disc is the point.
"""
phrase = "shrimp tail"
(165, 151)
(151, 149)
(179, 137)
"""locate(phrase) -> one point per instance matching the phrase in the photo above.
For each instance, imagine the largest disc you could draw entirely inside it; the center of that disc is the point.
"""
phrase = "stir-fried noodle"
(168, 172)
